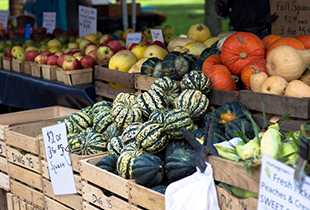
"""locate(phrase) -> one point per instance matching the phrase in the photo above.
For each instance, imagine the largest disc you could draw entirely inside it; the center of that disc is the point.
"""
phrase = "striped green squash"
(194, 101)
(196, 80)
(87, 110)
(75, 143)
(111, 131)
(147, 67)
(70, 128)
(124, 112)
(168, 86)
(81, 120)
(124, 96)
(102, 120)
(152, 137)
(177, 119)
(125, 161)
(132, 146)
(150, 101)
(115, 146)
(129, 134)
(95, 143)
(97, 107)
(159, 115)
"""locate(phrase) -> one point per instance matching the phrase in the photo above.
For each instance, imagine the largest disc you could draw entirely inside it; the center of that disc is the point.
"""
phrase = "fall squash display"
(250, 69)
(241, 48)
(211, 61)
(196, 80)
(305, 40)
(274, 85)
(257, 79)
(297, 88)
(295, 43)
(269, 39)
(174, 65)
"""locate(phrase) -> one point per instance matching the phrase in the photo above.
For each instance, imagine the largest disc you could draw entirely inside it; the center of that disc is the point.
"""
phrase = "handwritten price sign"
(4, 18)
(157, 35)
(58, 159)
(133, 38)
(87, 20)
(49, 21)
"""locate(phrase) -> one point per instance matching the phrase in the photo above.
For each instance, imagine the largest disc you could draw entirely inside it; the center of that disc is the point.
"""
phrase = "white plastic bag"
(193, 192)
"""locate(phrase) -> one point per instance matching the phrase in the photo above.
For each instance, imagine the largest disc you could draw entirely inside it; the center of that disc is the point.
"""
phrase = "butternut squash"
(287, 62)
(257, 79)
(274, 85)
(297, 88)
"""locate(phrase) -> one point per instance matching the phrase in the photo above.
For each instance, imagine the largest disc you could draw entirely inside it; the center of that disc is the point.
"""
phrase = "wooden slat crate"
(16, 203)
(59, 74)
(78, 77)
(17, 65)
(49, 72)
(26, 66)
(36, 69)
(104, 75)
(103, 63)
(51, 204)
(6, 63)
(4, 177)
(93, 186)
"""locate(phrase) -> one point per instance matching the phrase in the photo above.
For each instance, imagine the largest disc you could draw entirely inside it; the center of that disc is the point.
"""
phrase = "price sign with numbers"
(87, 20)
(293, 17)
(49, 21)
(157, 35)
(58, 159)
(4, 14)
(133, 38)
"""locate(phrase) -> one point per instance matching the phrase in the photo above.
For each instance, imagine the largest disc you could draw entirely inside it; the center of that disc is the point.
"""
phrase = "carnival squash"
(297, 88)
(221, 78)
(241, 48)
(287, 62)
(295, 43)
(274, 85)
(250, 68)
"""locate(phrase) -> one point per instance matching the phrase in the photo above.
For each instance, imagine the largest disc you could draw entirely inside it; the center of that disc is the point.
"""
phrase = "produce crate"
(59, 74)
(51, 204)
(17, 65)
(78, 77)
(103, 63)
(97, 183)
(16, 203)
(26, 66)
(36, 69)
(104, 75)
(4, 177)
(49, 72)
(6, 63)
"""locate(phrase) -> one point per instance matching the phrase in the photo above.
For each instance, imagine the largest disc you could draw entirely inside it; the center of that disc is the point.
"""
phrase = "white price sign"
(278, 190)
(133, 38)
(49, 21)
(4, 14)
(87, 20)
(157, 35)
(58, 159)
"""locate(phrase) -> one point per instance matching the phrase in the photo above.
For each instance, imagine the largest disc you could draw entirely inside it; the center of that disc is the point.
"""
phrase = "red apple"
(71, 64)
(78, 54)
(87, 45)
(130, 46)
(160, 44)
(38, 59)
(93, 54)
(87, 62)
(105, 53)
(144, 42)
(72, 52)
(104, 39)
(44, 59)
(59, 53)
(115, 45)
(31, 54)
(41, 30)
(62, 58)
(90, 48)
(52, 60)
(46, 53)
(9, 53)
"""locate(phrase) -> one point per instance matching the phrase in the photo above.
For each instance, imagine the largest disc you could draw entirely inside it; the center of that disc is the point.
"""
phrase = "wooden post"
(211, 19)
(3, 200)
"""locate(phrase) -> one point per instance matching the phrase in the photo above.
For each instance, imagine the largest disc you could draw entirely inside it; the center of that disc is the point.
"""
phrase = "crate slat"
(87, 206)
(26, 66)
(9, 198)
(49, 72)
(6, 63)
(105, 90)
(17, 65)
(3, 164)
(4, 182)
(16, 203)
(51, 204)
(77, 77)
(119, 77)
(143, 82)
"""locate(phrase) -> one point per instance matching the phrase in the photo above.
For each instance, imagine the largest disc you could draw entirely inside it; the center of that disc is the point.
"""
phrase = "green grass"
(181, 14)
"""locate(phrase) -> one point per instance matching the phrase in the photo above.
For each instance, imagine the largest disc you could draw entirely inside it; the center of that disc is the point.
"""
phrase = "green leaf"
(226, 187)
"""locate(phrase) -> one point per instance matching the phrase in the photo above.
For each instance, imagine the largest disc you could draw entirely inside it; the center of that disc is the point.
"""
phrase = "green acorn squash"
(174, 65)
(108, 163)
(236, 125)
(196, 80)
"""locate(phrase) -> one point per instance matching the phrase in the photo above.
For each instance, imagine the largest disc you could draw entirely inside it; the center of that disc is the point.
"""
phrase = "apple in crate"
(73, 45)
(130, 46)
(30, 55)
(104, 53)
(144, 42)
(52, 60)
(87, 62)
(71, 63)
(159, 43)
(93, 54)
(105, 38)
(115, 45)
(48, 53)
(9, 53)
(44, 59)
(88, 45)
(21, 56)
(62, 58)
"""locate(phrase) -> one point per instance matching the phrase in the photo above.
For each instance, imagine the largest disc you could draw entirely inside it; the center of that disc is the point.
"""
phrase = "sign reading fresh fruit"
(277, 187)
(49, 21)
(58, 159)
(133, 38)
(157, 35)
(87, 20)
(4, 18)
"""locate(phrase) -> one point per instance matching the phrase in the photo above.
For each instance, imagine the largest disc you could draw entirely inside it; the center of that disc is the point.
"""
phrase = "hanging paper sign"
(278, 190)
(4, 14)
(49, 21)
(27, 31)
(157, 35)
(87, 20)
(58, 159)
(133, 38)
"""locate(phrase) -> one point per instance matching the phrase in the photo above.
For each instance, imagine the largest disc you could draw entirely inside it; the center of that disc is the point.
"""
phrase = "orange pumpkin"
(250, 68)
(241, 48)
(211, 61)
(286, 41)
(221, 78)
(305, 40)
(268, 40)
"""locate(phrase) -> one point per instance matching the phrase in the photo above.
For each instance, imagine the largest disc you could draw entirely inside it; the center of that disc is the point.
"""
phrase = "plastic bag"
(193, 192)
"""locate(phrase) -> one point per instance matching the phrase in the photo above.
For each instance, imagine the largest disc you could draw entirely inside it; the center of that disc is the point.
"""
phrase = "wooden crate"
(36, 69)
(78, 77)
(59, 74)
(92, 185)
(104, 75)
(27, 67)
(16, 203)
(6, 63)
(17, 65)
(51, 204)
(49, 72)
(103, 63)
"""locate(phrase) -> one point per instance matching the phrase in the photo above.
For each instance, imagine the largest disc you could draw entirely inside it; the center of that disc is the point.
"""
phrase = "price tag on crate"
(4, 14)
(58, 159)
(157, 35)
(49, 21)
(277, 187)
(87, 20)
(133, 38)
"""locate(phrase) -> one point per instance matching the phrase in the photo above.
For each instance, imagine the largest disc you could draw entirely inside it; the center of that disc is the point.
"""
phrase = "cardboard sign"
(4, 14)
(293, 17)
(157, 35)
(278, 190)
(133, 38)
(87, 20)
(58, 159)
(27, 31)
(49, 21)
